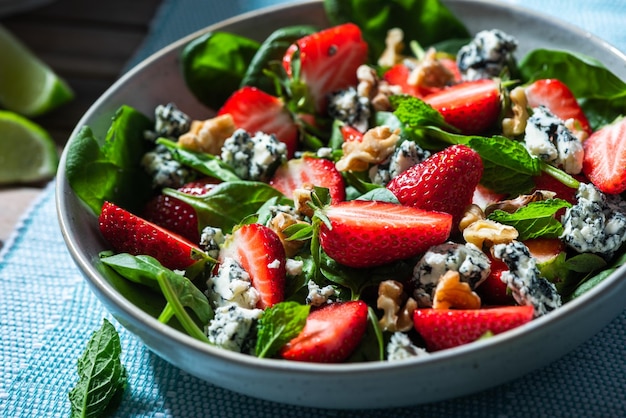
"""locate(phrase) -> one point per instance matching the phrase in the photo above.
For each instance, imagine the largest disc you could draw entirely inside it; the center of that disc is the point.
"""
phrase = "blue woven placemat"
(47, 312)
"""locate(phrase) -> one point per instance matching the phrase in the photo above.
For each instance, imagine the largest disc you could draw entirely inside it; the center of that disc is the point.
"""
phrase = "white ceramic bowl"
(442, 375)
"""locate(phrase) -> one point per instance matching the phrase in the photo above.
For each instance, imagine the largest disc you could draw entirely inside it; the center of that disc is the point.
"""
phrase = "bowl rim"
(552, 320)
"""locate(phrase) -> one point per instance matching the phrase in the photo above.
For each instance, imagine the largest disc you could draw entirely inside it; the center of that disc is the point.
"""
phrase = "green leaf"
(380, 194)
(278, 325)
(424, 21)
(601, 93)
(109, 169)
(228, 203)
(534, 220)
(214, 64)
(102, 376)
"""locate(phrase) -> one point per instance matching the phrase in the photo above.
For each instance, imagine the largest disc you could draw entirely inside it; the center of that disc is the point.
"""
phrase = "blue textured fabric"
(47, 312)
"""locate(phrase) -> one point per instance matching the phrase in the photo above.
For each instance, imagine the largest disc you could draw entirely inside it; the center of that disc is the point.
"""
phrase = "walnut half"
(451, 292)
(397, 307)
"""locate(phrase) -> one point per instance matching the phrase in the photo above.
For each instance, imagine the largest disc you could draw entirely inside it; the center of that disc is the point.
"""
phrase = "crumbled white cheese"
(467, 259)
(347, 106)
(524, 278)
(546, 137)
(231, 285)
(210, 240)
(294, 267)
(596, 223)
(406, 155)
(487, 55)
(274, 264)
(170, 122)
(234, 328)
(164, 170)
(253, 157)
(319, 295)
(324, 152)
(401, 347)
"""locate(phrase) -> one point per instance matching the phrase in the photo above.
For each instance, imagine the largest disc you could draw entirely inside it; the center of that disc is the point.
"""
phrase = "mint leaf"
(102, 376)
(534, 220)
(279, 325)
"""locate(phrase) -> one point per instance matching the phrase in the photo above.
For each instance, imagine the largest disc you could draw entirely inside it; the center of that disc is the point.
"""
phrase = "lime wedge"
(27, 152)
(28, 85)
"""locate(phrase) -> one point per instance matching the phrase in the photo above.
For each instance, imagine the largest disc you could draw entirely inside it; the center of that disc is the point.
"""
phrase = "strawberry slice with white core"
(256, 111)
(330, 334)
(604, 162)
(129, 233)
(260, 252)
(371, 233)
(319, 172)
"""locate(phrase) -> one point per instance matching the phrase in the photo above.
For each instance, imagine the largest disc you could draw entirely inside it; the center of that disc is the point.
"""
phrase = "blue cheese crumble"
(487, 55)
(253, 157)
(524, 278)
(547, 138)
(164, 170)
(170, 122)
(596, 223)
(406, 155)
(231, 286)
(234, 328)
(319, 296)
(401, 347)
(467, 259)
(211, 239)
(347, 106)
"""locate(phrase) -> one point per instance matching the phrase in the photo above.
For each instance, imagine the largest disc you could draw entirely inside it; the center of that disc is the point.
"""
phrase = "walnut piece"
(375, 89)
(430, 72)
(397, 307)
(472, 214)
(301, 198)
(488, 232)
(208, 136)
(393, 48)
(452, 293)
(377, 144)
(516, 124)
(278, 224)
(513, 205)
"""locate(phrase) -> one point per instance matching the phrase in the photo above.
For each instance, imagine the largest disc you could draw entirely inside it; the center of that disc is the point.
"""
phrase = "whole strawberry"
(444, 182)
(366, 233)
(447, 328)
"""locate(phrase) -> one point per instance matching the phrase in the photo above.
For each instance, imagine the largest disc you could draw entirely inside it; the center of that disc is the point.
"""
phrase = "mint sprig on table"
(102, 376)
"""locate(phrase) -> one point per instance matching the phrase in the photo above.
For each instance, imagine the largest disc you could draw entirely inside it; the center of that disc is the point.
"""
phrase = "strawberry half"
(559, 99)
(370, 233)
(328, 60)
(128, 233)
(308, 170)
(447, 328)
(254, 110)
(471, 106)
(493, 291)
(175, 215)
(398, 75)
(444, 182)
(605, 157)
(262, 255)
(330, 334)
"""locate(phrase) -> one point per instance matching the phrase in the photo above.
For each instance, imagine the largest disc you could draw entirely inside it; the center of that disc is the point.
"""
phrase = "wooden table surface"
(88, 43)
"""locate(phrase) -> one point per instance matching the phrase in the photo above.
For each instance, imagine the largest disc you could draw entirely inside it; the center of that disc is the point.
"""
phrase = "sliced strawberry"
(447, 328)
(175, 215)
(471, 106)
(254, 110)
(484, 196)
(128, 233)
(328, 60)
(444, 182)
(312, 171)
(330, 334)
(262, 255)
(605, 157)
(545, 249)
(371, 233)
(398, 75)
(559, 99)
(351, 134)
(547, 182)
(493, 291)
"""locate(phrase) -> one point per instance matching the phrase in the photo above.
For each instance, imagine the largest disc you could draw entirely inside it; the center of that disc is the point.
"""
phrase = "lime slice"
(28, 85)
(27, 152)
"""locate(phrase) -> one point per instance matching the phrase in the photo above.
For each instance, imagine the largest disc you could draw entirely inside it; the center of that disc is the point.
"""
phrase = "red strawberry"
(262, 255)
(471, 106)
(547, 182)
(483, 196)
(330, 334)
(308, 170)
(605, 157)
(444, 182)
(350, 133)
(559, 99)
(328, 60)
(493, 291)
(545, 249)
(175, 215)
(447, 328)
(128, 233)
(254, 110)
(371, 233)
(398, 75)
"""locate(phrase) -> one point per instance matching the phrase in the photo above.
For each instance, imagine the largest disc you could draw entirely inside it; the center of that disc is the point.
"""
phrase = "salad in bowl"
(374, 194)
